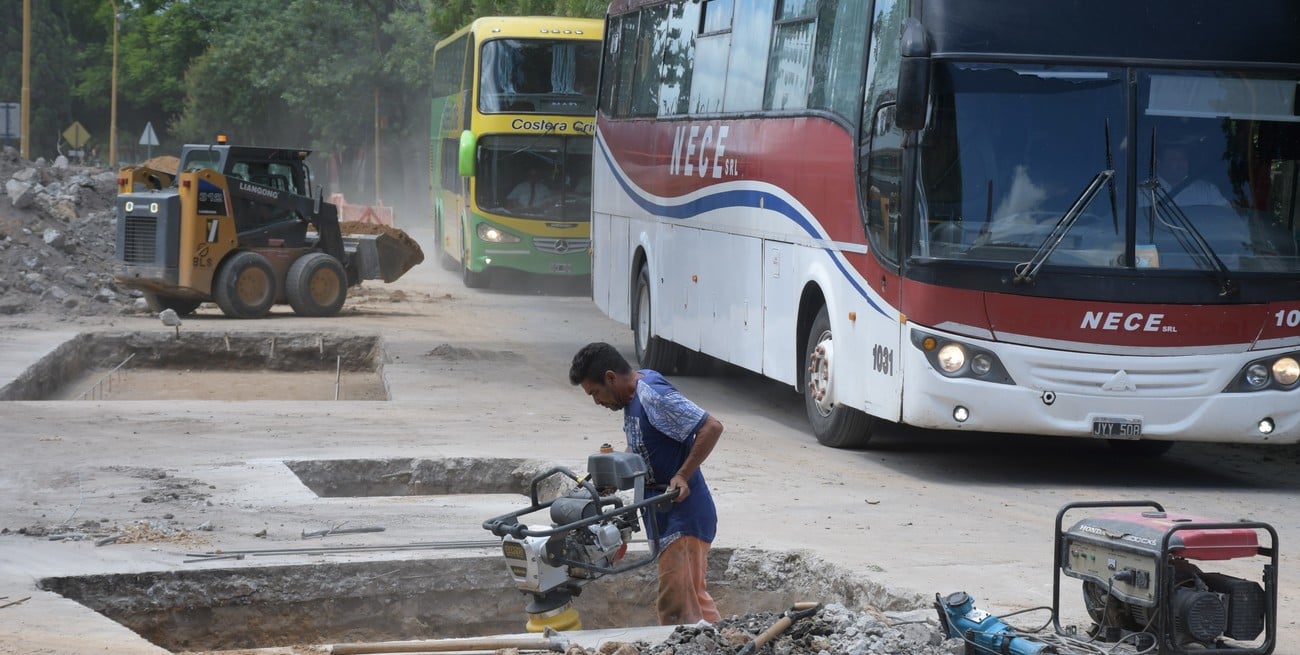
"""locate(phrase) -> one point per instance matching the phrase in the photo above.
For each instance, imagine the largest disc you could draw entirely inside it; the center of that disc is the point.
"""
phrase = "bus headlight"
(1257, 375)
(951, 358)
(491, 234)
(1279, 373)
(956, 359)
(1286, 371)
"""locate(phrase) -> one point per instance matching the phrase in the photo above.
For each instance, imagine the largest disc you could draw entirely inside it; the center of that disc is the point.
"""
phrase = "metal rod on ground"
(348, 549)
(338, 372)
(98, 388)
(486, 644)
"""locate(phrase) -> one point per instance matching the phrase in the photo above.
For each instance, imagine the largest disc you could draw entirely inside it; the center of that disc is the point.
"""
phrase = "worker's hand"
(679, 482)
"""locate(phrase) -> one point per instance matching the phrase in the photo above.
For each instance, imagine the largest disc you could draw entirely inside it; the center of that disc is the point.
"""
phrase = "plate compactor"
(1145, 586)
(587, 539)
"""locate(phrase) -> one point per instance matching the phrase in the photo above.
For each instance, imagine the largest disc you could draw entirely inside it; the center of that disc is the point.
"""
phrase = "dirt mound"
(164, 163)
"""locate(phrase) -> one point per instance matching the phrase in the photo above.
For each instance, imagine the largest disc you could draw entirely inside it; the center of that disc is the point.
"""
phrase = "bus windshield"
(530, 176)
(530, 76)
(1209, 183)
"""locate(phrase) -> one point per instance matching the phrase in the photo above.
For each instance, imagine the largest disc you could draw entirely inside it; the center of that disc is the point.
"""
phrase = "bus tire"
(651, 351)
(469, 278)
(445, 260)
(182, 306)
(836, 425)
(316, 285)
(245, 286)
(1140, 448)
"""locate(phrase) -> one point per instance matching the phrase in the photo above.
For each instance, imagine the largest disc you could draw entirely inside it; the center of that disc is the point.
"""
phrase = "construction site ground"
(205, 463)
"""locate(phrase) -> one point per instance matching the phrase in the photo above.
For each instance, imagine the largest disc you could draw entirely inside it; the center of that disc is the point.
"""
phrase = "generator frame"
(1165, 574)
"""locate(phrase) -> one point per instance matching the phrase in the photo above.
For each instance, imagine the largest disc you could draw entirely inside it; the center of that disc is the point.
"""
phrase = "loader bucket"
(379, 252)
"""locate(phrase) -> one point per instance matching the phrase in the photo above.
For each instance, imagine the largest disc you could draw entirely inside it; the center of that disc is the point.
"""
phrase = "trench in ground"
(453, 596)
(206, 366)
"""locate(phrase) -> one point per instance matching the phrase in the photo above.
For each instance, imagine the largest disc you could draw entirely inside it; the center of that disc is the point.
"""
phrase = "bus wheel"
(245, 286)
(182, 306)
(651, 351)
(471, 279)
(316, 285)
(445, 260)
(1141, 448)
(836, 425)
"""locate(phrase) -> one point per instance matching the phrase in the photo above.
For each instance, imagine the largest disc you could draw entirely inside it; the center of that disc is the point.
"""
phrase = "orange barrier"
(377, 214)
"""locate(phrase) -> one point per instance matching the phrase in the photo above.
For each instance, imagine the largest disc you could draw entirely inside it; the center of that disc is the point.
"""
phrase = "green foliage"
(314, 73)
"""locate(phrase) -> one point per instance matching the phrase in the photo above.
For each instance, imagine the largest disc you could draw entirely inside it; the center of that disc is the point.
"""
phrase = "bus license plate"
(1117, 428)
(561, 268)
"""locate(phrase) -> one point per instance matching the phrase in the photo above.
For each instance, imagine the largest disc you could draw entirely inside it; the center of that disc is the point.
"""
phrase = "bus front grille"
(561, 246)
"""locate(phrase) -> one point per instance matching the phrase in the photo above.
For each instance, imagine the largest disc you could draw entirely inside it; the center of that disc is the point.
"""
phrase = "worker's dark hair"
(593, 360)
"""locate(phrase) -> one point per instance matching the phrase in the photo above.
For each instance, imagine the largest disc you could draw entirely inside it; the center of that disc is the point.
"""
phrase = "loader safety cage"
(1053, 218)
(512, 123)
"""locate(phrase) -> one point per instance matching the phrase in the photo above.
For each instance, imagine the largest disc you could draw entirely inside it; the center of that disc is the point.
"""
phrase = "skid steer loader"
(239, 226)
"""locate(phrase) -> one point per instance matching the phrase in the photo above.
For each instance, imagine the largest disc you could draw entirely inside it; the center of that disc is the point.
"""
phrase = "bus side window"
(882, 184)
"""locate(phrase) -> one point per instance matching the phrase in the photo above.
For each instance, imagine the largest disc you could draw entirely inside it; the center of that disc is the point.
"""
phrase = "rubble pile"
(834, 630)
(57, 235)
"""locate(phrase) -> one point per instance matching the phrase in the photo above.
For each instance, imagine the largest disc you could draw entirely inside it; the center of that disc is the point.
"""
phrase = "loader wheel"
(245, 286)
(182, 306)
(316, 285)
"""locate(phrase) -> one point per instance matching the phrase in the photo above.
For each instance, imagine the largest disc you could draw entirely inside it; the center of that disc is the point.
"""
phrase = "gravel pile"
(834, 630)
(57, 236)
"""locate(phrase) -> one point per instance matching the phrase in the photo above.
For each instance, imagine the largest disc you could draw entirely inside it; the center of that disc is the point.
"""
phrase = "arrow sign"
(149, 138)
(76, 135)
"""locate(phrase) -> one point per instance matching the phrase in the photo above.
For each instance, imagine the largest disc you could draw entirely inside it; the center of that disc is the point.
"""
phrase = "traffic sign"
(76, 135)
(9, 119)
(149, 138)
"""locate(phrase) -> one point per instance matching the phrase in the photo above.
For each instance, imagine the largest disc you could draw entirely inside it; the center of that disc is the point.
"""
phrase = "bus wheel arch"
(836, 425)
(652, 352)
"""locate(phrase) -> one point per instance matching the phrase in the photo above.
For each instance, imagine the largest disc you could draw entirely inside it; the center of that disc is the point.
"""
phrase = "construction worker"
(674, 436)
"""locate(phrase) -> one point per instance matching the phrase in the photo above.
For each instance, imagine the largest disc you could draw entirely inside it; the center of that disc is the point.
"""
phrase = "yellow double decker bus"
(514, 101)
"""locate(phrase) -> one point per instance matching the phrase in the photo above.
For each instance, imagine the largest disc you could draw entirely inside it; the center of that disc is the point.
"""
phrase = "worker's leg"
(683, 597)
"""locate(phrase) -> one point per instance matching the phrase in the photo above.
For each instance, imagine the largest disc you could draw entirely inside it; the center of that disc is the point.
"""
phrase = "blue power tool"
(984, 633)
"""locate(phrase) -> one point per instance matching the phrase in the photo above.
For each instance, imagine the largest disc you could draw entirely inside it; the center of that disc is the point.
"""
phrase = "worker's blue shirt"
(660, 424)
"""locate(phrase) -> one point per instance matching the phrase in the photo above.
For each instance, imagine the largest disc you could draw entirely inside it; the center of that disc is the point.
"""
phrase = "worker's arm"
(705, 439)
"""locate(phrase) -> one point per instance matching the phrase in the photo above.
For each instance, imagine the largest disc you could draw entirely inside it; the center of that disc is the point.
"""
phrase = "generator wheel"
(316, 285)
(835, 424)
(245, 286)
(182, 306)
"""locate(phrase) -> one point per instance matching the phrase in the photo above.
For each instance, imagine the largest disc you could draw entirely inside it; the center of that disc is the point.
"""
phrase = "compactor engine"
(587, 537)
(239, 226)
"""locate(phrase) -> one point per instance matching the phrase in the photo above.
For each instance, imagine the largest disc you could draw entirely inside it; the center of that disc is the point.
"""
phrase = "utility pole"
(112, 111)
(25, 111)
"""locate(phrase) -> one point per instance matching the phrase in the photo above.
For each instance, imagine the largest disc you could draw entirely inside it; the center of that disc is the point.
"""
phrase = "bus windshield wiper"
(1025, 271)
(1171, 216)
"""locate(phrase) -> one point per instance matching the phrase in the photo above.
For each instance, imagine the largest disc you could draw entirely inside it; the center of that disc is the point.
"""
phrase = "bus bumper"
(1056, 393)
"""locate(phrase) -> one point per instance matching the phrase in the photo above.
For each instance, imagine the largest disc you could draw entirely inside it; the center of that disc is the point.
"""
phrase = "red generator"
(1145, 579)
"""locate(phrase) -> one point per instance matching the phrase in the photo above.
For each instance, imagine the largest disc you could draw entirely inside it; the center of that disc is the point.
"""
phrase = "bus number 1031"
(1288, 318)
(882, 359)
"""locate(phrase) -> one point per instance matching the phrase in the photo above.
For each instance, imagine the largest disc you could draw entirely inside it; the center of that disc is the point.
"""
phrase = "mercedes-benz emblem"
(561, 246)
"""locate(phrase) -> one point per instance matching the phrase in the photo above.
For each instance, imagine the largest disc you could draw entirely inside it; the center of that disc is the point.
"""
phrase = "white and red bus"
(1053, 218)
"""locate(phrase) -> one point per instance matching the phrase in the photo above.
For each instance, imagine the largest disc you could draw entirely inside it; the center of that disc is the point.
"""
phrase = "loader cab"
(269, 191)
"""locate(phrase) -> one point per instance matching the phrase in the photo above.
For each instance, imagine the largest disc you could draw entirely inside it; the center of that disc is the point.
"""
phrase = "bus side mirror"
(913, 75)
(468, 149)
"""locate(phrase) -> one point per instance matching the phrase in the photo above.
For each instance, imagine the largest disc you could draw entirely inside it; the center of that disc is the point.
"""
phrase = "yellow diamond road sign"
(76, 135)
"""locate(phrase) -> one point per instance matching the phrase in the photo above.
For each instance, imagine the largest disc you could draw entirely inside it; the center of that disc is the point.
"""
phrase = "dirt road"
(482, 374)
